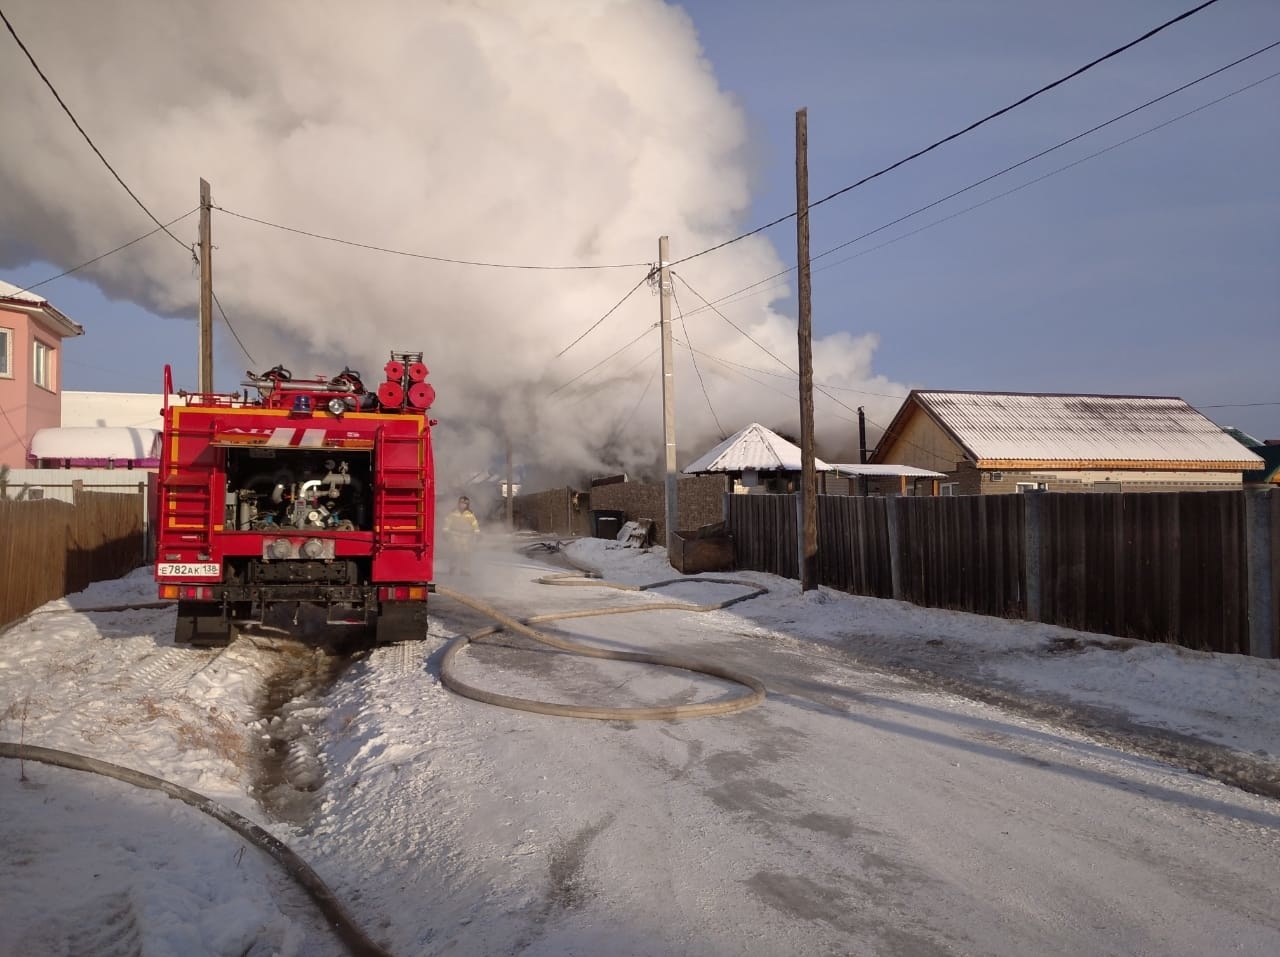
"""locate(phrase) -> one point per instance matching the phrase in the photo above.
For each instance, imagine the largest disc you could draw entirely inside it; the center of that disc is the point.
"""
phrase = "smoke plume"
(573, 132)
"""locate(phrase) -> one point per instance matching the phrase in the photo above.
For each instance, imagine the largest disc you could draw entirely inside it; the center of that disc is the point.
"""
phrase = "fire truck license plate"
(188, 570)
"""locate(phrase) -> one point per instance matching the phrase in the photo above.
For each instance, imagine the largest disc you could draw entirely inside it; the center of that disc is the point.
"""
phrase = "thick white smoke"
(538, 133)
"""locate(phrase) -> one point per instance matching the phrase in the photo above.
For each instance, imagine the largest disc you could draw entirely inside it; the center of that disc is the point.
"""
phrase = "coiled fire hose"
(336, 917)
(755, 688)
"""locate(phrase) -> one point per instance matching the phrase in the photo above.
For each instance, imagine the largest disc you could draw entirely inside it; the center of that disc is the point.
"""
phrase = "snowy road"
(855, 812)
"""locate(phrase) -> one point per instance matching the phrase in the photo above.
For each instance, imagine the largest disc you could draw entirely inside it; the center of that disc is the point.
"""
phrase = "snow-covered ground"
(917, 782)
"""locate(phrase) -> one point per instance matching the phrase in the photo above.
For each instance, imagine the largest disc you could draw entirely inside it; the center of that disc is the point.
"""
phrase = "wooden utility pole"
(668, 391)
(206, 291)
(808, 537)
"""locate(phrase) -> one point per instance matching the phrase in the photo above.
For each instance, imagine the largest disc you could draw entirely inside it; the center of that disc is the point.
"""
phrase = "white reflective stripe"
(313, 438)
(281, 437)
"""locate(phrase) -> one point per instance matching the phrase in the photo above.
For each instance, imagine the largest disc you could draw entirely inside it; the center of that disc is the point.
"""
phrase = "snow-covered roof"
(755, 447)
(910, 471)
(17, 299)
(9, 291)
(141, 410)
(98, 444)
(1011, 426)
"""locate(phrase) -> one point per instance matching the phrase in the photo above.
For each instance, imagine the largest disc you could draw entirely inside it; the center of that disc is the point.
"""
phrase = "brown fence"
(1191, 568)
(50, 548)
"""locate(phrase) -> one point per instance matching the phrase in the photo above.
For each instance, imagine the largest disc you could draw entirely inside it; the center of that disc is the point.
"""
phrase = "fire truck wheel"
(201, 623)
(401, 621)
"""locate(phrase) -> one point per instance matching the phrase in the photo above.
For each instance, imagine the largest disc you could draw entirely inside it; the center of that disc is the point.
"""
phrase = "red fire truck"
(312, 491)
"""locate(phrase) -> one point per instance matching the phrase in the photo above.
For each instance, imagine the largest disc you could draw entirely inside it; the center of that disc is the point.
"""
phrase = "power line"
(737, 367)
(413, 255)
(649, 328)
(616, 306)
(636, 408)
(67, 110)
(817, 388)
(599, 386)
(111, 252)
(705, 394)
(1239, 405)
(780, 375)
(972, 126)
(232, 328)
(986, 179)
(1044, 176)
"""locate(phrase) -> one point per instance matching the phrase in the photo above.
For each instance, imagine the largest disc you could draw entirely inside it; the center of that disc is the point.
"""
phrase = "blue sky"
(1150, 269)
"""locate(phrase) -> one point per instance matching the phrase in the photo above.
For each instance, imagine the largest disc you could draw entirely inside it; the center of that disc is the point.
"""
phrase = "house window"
(42, 366)
(948, 489)
(6, 353)
(1033, 486)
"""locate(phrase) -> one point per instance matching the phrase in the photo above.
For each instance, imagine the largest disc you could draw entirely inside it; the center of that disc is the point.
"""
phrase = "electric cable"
(636, 408)
(972, 126)
(412, 255)
(986, 179)
(1239, 405)
(588, 393)
(66, 109)
(705, 394)
(231, 327)
(1043, 176)
(647, 329)
(764, 385)
(110, 252)
(616, 306)
(817, 388)
(791, 377)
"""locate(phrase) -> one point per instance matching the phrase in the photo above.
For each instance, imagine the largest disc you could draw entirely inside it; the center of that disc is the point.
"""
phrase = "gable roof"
(1008, 429)
(755, 447)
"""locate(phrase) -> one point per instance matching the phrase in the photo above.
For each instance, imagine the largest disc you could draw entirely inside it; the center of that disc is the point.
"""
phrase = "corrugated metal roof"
(755, 447)
(910, 471)
(1103, 428)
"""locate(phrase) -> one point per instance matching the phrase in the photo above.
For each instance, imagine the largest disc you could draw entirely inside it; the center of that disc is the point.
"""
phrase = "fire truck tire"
(400, 621)
(201, 623)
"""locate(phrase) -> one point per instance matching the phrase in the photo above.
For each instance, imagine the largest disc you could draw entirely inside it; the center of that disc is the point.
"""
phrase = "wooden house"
(999, 442)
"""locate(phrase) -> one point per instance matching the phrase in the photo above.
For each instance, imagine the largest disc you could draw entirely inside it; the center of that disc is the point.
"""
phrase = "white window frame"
(6, 352)
(1032, 486)
(949, 489)
(42, 364)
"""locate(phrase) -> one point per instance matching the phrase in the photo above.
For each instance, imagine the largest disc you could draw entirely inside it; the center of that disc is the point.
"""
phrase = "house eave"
(45, 315)
(1016, 465)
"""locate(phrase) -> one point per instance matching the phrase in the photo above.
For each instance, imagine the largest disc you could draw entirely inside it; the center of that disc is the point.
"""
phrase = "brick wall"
(699, 501)
(556, 511)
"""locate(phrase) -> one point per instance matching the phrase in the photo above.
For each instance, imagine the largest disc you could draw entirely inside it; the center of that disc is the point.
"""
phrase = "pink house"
(31, 334)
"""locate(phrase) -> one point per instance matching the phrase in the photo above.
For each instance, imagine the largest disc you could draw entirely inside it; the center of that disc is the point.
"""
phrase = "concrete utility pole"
(206, 291)
(808, 537)
(511, 494)
(668, 391)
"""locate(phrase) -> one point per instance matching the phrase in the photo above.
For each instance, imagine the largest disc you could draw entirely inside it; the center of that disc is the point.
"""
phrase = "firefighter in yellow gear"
(461, 529)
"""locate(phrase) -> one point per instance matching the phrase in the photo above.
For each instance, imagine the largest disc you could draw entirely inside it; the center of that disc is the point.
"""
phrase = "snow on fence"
(1189, 568)
(50, 548)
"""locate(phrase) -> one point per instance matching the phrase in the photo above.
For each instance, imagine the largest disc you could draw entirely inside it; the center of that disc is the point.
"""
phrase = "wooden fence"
(50, 548)
(1191, 568)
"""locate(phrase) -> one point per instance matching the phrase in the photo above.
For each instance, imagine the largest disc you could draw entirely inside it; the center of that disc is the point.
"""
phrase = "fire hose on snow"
(755, 688)
(339, 921)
